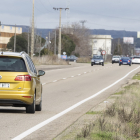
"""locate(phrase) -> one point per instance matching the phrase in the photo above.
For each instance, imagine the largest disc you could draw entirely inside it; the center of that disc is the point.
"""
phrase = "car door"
(37, 80)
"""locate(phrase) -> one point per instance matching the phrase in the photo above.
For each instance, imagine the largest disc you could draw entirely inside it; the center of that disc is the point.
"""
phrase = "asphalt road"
(63, 88)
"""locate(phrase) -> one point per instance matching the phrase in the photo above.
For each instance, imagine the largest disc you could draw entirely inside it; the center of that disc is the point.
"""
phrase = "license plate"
(96, 62)
(4, 85)
(124, 63)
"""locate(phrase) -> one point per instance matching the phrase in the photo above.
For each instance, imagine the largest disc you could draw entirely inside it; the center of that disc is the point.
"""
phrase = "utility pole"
(40, 44)
(59, 44)
(15, 39)
(55, 44)
(28, 43)
(49, 42)
(32, 40)
(83, 22)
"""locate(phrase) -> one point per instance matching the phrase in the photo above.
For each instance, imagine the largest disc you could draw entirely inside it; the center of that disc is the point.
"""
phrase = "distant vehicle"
(135, 60)
(97, 60)
(116, 59)
(72, 58)
(125, 61)
(20, 84)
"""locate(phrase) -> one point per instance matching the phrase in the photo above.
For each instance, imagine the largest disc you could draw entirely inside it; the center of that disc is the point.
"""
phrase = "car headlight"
(101, 61)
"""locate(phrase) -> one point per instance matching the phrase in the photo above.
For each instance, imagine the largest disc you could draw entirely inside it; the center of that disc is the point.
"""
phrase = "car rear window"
(12, 64)
(125, 58)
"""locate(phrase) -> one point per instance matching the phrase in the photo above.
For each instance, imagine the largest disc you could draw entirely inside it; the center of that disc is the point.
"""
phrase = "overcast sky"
(99, 14)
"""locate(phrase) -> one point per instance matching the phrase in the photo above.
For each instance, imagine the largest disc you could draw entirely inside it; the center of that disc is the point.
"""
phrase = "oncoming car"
(20, 84)
(116, 59)
(97, 60)
(125, 61)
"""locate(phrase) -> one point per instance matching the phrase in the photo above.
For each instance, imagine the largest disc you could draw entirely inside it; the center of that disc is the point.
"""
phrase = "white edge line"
(43, 84)
(55, 81)
(31, 130)
(72, 76)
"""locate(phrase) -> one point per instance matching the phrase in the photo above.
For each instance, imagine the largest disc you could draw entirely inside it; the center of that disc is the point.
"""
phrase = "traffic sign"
(103, 52)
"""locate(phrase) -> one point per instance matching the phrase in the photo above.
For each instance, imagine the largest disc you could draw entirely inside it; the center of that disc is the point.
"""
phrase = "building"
(6, 32)
(101, 42)
(137, 51)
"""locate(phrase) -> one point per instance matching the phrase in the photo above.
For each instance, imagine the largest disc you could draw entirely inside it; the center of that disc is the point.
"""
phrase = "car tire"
(31, 108)
(39, 107)
(91, 64)
(112, 62)
(102, 64)
(129, 64)
(119, 64)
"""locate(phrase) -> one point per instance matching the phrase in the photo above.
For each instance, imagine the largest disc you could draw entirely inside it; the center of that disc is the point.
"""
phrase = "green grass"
(137, 76)
(119, 93)
(101, 135)
(94, 112)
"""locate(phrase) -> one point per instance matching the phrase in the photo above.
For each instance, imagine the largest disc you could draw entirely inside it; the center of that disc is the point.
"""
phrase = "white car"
(136, 60)
(116, 59)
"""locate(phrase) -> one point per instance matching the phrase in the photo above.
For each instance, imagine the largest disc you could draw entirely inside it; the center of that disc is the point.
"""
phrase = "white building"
(101, 42)
(6, 32)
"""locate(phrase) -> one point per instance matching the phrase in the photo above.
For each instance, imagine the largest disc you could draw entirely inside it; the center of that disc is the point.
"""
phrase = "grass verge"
(120, 121)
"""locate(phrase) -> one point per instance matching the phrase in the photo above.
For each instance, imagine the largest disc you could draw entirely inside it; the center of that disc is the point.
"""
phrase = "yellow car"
(20, 84)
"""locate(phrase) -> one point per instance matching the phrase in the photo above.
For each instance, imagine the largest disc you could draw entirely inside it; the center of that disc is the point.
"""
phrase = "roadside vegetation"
(120, 121)
(49, 60)
(83, 60)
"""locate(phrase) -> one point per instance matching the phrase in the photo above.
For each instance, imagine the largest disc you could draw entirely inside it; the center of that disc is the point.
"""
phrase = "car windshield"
(125, 58)
(116, 57)
(12, 64)
(97, 57)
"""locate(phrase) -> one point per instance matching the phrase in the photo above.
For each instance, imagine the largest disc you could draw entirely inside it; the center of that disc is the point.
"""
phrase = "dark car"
(72, 58)
(125, 61)
(97, 60)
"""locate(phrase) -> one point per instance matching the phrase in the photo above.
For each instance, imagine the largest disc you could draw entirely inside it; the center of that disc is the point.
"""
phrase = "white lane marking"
(79, 74)
(72, 76)
(64, 78)
(55, 81)
(40, 125)
(85, 72)
(64, 68)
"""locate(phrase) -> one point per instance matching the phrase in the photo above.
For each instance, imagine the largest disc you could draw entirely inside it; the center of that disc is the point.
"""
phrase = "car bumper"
(16, 97)
(113, 61)
(125, 63)
(97, 63)
(135, 62)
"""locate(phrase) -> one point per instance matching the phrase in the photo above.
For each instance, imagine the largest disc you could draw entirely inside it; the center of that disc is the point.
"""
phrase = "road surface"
(63, 88)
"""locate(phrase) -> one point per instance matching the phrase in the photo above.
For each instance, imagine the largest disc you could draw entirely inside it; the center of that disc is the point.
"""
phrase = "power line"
(43, 5)
(109, 16)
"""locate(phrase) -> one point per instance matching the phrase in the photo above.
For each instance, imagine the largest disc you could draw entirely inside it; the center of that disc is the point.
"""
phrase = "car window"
(124, 58)
(12, 64)
(31, 65)
(116, 57)
(137, 57)
(97, 57)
